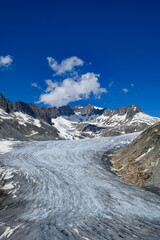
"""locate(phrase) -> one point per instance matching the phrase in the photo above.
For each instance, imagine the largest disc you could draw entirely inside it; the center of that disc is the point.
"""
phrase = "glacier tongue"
(66, 193)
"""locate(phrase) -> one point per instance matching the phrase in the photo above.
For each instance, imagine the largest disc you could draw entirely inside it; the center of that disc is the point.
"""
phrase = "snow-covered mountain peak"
(20, 120)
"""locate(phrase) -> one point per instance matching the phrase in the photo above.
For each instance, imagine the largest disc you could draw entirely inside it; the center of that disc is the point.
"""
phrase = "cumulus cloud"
(6, 61)
(125, 90)
(67, 65)
(70, 90)
(36, 85)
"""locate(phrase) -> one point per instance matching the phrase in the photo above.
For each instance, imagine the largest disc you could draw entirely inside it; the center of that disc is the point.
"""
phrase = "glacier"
(61, 190)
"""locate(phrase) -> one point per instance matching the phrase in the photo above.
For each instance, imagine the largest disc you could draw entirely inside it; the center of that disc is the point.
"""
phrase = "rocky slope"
(27, 121)
(20, 126)
(139, 162)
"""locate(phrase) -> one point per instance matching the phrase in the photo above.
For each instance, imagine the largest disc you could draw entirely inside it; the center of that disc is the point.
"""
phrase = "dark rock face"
(65, 111)
(42, 113)
(3, 195)
(5, 104)
(139, 163)
(92, 128)
(129, 111)
(76, 108)
(87, 110)
(120, 111)
(107, 112)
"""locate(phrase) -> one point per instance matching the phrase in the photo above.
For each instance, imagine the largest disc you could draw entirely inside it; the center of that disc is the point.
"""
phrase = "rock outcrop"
(88, 110)
(139, 162)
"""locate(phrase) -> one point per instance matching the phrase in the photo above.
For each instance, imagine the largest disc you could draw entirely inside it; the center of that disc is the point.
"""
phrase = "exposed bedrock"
(139, 162)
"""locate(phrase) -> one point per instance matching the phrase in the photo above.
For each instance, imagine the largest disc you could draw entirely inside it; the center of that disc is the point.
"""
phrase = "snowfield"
(61, 190)
(67, 129)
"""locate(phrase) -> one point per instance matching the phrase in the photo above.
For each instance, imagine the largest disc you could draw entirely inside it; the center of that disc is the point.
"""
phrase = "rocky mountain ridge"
(42, 113)
(27, 121)
(139, 162)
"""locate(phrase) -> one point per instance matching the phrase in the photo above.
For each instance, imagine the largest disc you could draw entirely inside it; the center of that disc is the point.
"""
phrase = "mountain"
(21, 126)
(139, 162)
(27, 121)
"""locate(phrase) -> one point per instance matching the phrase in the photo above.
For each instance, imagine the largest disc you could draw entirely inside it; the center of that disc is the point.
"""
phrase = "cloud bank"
(67, 65)
(71, 89)
(6, 61)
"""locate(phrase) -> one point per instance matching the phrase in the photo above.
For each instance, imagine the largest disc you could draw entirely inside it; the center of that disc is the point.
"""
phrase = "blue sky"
(109, 52)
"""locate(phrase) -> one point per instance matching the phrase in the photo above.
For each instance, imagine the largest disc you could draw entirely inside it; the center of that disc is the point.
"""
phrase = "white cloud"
(36, 85)
(70, 90)
(51, 85)
(67, 65)
(125, 90)
(6, 61)
(111, 84)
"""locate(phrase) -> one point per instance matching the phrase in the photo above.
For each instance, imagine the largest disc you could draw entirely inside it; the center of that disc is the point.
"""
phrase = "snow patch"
(8, 186)
(32, 133)
(6, 146)
(98, 108)
(65, 128)
(25, 118)
(22, 118)
(137, 159)
(4, 115)
(143, 118)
